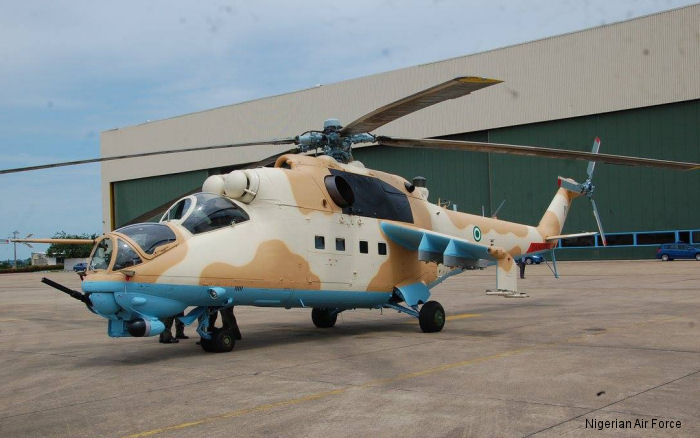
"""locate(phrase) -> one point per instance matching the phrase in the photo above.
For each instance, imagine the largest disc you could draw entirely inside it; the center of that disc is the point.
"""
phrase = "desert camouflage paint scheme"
(272, 258)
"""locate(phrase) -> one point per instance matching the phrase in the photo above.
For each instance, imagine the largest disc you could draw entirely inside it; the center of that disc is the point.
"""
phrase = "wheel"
(697, 256)
(222, 341)
(431, 317)
(528, 261)
(664, 257)
(324, 318)
(206, 344)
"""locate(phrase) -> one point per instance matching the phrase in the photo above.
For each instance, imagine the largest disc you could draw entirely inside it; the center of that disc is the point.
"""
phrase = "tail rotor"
(587, 188)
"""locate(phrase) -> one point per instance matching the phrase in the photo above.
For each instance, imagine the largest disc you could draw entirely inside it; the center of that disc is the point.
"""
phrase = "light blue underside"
(168, 299)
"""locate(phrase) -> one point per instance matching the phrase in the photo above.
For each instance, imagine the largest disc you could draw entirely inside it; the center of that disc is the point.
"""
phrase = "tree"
(70, 251)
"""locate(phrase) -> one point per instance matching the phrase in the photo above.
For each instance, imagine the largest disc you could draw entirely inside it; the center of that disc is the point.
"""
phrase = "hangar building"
(635, 84)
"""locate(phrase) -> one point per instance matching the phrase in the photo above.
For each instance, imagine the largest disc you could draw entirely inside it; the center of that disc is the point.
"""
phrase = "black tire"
(431, 317)
(528, 261)
(222, 341)
(207, 345)
(324, 318)
(664, 257)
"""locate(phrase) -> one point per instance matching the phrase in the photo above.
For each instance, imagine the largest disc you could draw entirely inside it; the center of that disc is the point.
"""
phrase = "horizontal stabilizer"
(569, 236)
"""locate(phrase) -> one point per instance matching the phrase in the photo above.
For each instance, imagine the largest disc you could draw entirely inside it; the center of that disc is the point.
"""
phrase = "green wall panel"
(626, 253)
(135, 197)
(629, 198)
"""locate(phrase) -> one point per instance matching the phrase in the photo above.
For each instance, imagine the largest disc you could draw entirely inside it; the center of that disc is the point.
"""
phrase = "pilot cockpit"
(203, 212)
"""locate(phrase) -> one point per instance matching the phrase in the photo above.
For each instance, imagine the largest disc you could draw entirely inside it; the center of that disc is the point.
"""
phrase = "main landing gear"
(324, 318)
(431, 316)
(222, 339)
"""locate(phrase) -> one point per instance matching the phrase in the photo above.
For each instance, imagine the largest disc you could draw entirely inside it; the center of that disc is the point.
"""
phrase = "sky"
(70, 70)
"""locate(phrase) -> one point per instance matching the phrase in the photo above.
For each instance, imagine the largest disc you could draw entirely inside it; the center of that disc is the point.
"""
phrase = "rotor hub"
(332, 141)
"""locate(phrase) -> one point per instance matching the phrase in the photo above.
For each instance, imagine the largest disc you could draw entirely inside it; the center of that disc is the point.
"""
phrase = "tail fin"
(553, 220)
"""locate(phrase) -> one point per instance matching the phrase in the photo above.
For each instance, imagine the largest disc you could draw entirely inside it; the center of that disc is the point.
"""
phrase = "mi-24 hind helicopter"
(322, 232)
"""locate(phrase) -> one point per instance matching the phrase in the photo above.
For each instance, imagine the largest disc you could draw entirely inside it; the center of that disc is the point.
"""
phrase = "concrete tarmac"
(609, 341)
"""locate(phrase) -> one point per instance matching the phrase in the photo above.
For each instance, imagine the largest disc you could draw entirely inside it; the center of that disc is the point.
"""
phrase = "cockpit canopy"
(203, 212)
(148, 236)
(115, 250)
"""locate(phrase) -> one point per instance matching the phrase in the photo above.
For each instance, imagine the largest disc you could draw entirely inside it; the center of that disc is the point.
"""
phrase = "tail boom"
(553, 220)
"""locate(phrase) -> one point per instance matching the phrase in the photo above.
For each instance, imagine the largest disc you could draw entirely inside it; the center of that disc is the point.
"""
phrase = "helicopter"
(318, 231)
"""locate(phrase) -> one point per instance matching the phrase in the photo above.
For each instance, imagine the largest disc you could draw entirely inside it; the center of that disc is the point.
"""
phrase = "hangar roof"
(647, 61)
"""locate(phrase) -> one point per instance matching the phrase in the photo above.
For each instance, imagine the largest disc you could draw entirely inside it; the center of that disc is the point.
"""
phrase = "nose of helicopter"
(104, 303)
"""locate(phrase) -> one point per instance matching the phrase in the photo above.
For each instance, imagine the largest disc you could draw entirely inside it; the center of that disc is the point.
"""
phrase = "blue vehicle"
(670, 251)
(80, 267)
(533, 258)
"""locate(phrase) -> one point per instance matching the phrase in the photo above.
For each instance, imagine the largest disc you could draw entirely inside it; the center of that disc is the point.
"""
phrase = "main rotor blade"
(59, 241)
(451, 89)
(534, 151)
(287, 140)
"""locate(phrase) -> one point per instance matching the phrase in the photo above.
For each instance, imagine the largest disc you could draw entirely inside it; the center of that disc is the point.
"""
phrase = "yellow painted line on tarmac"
(372, 383)
(462, 316)
(325, 394)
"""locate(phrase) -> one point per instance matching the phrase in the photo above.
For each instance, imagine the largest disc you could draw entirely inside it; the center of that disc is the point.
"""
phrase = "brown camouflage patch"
(274, 267)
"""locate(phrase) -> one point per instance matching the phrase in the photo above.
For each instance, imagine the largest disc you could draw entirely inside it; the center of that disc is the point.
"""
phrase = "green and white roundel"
(477, 233)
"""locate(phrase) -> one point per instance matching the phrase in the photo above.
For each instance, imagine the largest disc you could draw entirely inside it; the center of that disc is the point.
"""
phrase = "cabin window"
(320, 242)
(339, 244)
(364, 248)
(381, 248)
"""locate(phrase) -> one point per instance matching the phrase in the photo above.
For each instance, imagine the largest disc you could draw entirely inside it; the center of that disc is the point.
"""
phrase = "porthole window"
(339, 244)
(320, 242)
(364, 247)
(381, 248)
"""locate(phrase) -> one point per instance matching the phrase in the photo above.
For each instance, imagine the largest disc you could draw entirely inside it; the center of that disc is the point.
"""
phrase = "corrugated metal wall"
(629, 198)
(135, 197)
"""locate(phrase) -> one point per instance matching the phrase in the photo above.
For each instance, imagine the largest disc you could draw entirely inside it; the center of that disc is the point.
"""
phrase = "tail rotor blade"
(600, 225)
(591, 164)
(570, 184)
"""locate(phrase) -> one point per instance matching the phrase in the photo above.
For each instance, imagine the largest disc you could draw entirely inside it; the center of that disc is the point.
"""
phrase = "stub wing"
(455, 252)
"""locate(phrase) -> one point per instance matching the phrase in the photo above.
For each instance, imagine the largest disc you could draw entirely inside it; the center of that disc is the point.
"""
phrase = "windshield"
(148, 236)
(211, 212)
(126, 256)
(101, 254)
